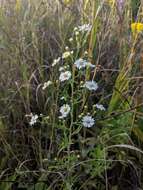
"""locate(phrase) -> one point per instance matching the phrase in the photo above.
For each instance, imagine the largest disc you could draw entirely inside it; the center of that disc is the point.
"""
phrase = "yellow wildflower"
(137, 27)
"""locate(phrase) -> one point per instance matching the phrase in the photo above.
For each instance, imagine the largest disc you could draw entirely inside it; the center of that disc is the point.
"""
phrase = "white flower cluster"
(65, 76)
(88, 121)
(91, 85)
(64, 110)
(83, 28)
(100, 107)
(34, 119)
(56, 61)
(67, 54)
(46, 84)
(81, 63)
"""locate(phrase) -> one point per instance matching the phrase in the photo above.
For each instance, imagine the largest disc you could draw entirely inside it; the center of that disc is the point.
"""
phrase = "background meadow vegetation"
(71, 94)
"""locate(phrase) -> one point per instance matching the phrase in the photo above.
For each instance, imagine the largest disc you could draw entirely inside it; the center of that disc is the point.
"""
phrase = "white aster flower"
(76, 33)
(64, 110)
(62, 98)
(46, 84)
(75, 28)
(91, 85)
(66, 54)
(88, 121)
(80, 63)
(70, 39)
(66, 48)
(56, 61)
(65, 76)
(85, 28)
(33, 119)
(100, 107)
(61, 69)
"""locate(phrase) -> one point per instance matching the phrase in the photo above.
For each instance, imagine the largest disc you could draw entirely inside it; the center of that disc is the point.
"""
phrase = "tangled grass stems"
(70, 94)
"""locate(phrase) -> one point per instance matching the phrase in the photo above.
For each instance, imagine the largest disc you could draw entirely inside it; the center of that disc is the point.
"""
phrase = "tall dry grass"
(62, 152)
